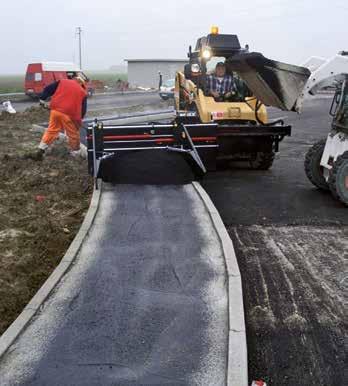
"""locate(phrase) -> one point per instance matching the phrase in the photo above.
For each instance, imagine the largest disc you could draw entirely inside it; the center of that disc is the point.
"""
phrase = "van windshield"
(169, 83)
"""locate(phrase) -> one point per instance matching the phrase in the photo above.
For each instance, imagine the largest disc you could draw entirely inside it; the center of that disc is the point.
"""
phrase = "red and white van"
(40, 75)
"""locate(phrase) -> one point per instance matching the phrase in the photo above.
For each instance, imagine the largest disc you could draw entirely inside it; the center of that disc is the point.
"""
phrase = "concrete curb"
(237, 367)
(96, 94)
(15, 329)
(135, 92)
(8, 94)
(136, 117)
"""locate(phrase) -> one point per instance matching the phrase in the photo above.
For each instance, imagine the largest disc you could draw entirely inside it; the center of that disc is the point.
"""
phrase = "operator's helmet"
(80, 79)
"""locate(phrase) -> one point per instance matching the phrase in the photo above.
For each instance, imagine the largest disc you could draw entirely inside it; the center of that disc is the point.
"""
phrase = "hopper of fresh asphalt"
(274, 83)
(145, 301)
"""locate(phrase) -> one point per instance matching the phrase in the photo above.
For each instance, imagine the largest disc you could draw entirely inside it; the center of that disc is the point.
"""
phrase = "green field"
(11, 83)
(15, 83)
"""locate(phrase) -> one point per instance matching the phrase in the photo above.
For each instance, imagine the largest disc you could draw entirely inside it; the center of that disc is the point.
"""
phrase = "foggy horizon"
(112, 32)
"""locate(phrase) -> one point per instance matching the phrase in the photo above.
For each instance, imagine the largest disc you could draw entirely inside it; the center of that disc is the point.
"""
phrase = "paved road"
(106, 102)
(282, 195)
(144, 304)
(291, 242)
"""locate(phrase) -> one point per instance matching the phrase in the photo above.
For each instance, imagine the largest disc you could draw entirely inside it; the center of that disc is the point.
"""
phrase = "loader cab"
(209, 51)
(339, 108)
(192, 93)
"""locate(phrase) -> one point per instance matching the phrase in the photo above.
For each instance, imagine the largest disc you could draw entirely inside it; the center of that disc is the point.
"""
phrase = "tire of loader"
(313, 170)
(262, 160)
(338, 179)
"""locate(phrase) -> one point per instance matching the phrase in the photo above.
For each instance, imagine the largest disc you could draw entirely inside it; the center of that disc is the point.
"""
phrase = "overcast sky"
(286, 30)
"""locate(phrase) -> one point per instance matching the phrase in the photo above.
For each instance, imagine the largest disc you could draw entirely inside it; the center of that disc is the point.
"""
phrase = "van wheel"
(313, 170)
(338, 179)
(262, 160)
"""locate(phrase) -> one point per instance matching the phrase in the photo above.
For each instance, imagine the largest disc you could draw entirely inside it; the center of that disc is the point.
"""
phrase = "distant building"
(145, 72)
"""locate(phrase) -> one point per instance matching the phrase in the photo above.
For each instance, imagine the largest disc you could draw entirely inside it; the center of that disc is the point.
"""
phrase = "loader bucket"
(274, 83)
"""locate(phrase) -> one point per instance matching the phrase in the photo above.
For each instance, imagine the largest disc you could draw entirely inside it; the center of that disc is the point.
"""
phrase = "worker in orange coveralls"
(68, 106)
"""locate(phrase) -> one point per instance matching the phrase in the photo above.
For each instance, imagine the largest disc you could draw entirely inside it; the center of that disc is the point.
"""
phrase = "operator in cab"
(220, 85)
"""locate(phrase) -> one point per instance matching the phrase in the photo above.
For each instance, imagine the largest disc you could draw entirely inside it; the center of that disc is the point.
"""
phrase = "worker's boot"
(36, 155)
(81, 153)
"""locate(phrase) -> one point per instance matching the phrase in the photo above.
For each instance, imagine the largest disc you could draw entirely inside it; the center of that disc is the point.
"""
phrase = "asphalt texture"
(145, 302)
(291, 242)
(100, 102)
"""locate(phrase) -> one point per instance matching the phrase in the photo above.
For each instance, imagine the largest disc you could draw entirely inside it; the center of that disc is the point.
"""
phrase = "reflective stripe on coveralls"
(60, 122)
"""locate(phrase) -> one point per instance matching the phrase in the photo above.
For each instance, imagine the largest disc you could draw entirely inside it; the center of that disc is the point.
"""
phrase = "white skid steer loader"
(326, 162)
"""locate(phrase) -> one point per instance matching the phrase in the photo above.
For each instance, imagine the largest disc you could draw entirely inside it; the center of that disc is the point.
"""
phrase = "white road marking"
(283, 117)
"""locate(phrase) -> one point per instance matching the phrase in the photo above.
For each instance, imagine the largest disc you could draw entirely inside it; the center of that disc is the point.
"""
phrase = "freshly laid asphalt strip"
(145, 302)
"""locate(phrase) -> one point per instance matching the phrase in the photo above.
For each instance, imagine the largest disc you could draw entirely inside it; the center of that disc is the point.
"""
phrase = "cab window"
(342, 112)
(169, 83)
(211, 64)
(38, 77)
(30, 77)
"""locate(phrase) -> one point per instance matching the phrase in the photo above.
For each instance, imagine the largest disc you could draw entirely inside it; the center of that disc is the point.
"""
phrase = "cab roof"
(59, 66)
(220, 44)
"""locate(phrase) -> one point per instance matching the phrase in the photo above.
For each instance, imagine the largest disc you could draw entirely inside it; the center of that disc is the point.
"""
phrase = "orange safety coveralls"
(66, 114)
(60, 122)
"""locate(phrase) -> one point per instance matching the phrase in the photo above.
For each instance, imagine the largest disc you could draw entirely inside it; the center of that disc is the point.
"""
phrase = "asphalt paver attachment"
(151, 153)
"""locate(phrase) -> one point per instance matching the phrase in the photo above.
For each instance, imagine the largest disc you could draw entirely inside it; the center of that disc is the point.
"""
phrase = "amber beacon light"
(214, 30)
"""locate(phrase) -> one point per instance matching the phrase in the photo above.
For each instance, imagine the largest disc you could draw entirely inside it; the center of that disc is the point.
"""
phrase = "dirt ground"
(42, 205)
(294, 302)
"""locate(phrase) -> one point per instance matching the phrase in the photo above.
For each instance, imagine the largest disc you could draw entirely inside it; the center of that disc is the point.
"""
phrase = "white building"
(145, 72)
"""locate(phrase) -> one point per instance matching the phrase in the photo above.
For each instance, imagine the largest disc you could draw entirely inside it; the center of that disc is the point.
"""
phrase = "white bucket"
(8, 107)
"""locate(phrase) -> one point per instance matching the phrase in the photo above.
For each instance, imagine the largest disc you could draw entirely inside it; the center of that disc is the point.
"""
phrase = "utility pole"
(79, 33)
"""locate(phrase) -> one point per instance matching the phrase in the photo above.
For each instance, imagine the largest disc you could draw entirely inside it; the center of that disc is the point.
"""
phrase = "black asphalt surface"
(105, 101)
(291, 242)
(282, 195)
(145, 303)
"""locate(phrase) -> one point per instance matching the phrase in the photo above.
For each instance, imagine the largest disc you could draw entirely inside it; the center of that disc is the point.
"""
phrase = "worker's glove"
(43, 104)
